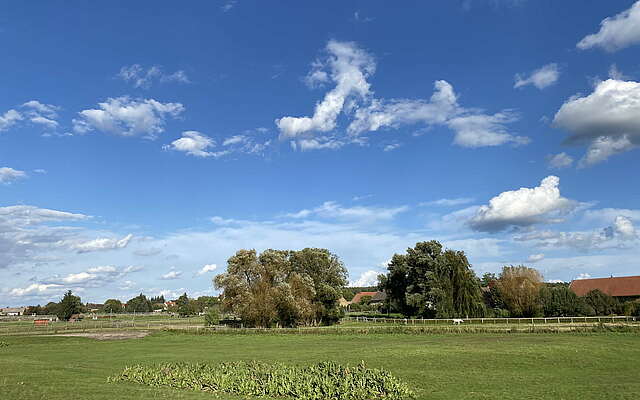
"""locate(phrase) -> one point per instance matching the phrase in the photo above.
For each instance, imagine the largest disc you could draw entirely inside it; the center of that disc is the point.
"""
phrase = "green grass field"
(455, 366)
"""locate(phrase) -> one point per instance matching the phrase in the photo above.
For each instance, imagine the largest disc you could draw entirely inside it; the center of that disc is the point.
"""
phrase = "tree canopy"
(283, 287)
(430, 281)
(139, 303)
(68, 306)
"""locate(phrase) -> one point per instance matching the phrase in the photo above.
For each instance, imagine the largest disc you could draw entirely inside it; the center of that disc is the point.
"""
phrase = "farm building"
(375, 297)
(12, 312)
(624, 287)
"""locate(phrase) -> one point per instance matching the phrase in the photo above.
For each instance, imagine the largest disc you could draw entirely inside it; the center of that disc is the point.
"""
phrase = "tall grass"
(322, 381)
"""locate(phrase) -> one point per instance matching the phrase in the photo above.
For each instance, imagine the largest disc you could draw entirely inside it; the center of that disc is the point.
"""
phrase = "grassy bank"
(473, 366)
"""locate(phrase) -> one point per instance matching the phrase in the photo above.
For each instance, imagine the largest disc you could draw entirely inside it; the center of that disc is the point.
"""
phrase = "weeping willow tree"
(430, 281)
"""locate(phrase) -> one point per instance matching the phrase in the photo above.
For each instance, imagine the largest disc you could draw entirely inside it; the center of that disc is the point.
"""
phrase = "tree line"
(432, 282)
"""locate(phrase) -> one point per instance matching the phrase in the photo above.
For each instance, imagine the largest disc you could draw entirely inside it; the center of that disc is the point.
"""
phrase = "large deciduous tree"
(112, 306)
(519, 288)
(281, 287)
(430, 281)
(68, 306)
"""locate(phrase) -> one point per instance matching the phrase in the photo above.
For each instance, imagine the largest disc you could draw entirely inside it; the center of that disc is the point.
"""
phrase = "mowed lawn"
(456, 366)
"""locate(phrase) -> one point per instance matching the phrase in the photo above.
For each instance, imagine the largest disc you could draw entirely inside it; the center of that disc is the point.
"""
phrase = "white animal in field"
(457, 321)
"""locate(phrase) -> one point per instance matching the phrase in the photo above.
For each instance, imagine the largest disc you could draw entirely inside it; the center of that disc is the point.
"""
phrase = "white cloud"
(101, 244)
(141, 77)
(367, 278)
(127, 117)
(171, 275)
(194, 143)
(617, 32)
(207, 268)
(449, 202)
(533, 258)
(559, 161)
(331, 209)
(583, 276)
(541, 78)
(605, 215)
(348, 67)
(391, 147)
(35, 289)
(8, 119)
(608, 118)
(9, 175)
(620, 234)
(522, 207)
(615, 73)
(482, 130)
(228, 5)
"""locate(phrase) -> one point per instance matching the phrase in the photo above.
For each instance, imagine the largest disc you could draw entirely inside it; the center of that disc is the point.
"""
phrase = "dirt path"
(122, 335)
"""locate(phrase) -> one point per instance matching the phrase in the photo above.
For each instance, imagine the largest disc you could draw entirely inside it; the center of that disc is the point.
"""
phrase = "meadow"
(436, 366)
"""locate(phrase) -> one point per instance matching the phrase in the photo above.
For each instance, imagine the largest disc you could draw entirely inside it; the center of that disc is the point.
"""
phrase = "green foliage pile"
(322, 381)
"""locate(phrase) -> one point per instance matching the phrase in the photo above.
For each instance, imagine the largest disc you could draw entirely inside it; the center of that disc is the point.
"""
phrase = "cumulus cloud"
(621, 233)
(10, 175)
(332, 209)
(141, 77)
(522, 207)
(207, 268)
(617, 32)
(127, 117)
(102, 244)
(348, 67)
(171, 275)
(36, 289)
(608, 119)
(9, 118)
(541, 78)
(41, 114)
(200, 145)
(367, 278)
(533, 258)
(195, 144)
(559, 161)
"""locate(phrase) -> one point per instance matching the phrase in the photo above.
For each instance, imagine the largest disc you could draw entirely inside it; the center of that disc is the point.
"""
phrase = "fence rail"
(481, 321)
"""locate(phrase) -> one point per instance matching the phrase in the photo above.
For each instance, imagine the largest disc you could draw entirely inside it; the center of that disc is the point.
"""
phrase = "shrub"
(326, 380)
(212, 317)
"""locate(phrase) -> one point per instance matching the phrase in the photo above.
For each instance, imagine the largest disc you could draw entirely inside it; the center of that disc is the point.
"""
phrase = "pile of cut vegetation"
(325, 380)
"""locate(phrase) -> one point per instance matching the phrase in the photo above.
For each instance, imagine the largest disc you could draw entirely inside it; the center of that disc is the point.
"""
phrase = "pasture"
(436, 366)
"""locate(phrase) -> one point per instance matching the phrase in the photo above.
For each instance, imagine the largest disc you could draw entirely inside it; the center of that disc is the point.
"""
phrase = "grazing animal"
(457, 321)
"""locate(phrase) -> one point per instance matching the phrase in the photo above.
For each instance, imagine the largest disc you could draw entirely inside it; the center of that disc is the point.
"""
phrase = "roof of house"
(379, 296)
(13, 309)
(625, 286)
(358, 297)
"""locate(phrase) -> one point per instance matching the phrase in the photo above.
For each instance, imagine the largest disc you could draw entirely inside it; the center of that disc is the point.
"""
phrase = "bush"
(212, 317)
(326, 380)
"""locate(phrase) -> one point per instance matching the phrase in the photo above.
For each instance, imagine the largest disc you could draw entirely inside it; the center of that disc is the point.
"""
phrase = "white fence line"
(531, 321)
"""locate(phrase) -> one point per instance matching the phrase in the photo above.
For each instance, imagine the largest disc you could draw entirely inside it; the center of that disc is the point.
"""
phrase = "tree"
(519, 288)
(51, 308)
(281, 287)
(599, 303)
(34, 310)
(68, 306)
(212, 317)
(139, 304)
(186, 307)
(560, 301)
(112, 306)
(431, 282)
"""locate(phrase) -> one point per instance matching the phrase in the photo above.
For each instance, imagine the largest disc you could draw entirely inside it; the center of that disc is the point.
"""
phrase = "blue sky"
(141, 146)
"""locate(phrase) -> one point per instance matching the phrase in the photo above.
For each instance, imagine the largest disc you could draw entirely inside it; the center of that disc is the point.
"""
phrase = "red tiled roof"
(618, 287)
(359, 296)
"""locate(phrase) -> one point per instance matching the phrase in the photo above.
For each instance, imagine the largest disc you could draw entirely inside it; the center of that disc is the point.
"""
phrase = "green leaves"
(322, 381)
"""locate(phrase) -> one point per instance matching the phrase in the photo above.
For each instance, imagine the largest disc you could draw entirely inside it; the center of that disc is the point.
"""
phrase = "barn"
(624, 288)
